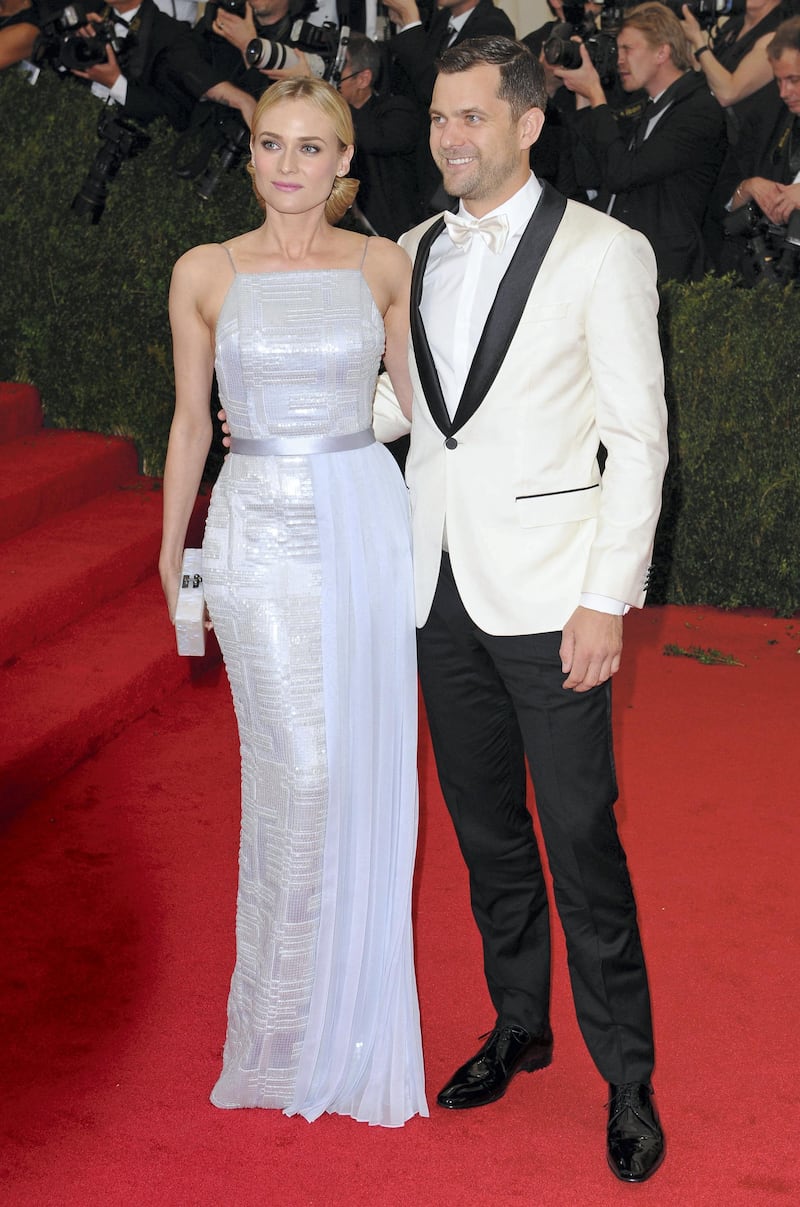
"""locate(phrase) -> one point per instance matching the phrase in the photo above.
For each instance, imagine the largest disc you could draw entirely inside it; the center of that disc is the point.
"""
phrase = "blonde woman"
(307, 568)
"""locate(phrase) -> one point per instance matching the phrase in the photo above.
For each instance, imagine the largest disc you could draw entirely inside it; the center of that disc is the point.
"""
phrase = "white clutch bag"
(190, 629)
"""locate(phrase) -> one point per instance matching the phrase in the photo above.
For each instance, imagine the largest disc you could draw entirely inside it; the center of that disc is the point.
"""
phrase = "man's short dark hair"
(522, 82)
(787, 37)
(365, 55)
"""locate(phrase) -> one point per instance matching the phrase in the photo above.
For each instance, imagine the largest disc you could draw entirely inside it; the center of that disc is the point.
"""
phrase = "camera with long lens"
(61, 44)
(771, 252)
(121, 140)
(232, 146)
(708, 12)
(216, 141)
(600, 42)
(323, 45)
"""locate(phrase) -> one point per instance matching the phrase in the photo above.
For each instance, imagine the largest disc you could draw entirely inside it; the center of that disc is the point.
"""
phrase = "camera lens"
(560, 52)
(265, 55)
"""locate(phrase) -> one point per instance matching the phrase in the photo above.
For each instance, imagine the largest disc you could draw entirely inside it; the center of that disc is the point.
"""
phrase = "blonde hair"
(332, 106)
(660, 27)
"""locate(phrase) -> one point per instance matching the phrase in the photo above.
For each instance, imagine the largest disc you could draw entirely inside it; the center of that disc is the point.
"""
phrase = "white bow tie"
(493, 231)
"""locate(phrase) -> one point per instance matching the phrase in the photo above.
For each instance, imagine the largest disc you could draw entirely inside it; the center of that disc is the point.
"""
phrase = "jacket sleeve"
(388, 421)
(173, 75)
(416, 50)
(389, 127)
(627, 373)
(686, 133)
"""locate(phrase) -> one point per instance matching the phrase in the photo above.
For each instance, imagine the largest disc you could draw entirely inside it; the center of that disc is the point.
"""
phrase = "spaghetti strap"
(364, 256)
(230, 257)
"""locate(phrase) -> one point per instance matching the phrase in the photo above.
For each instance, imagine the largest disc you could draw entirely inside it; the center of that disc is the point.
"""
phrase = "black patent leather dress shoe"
(635, 1138)
(485, 1078)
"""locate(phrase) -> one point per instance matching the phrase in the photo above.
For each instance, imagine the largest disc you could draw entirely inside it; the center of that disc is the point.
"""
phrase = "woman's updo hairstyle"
(332, 106)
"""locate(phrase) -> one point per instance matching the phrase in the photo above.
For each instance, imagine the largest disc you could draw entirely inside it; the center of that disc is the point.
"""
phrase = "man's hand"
(696, 36)
(788, 201)
(106, 73)
(583, 81)
(402, 12)
(767, 194)
(223, 418)
(591, 648)
(236, 30)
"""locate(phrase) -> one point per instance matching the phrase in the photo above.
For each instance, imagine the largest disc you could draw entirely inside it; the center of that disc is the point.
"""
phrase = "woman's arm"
(16, 43)
(395, 269)
(728, 87)
(190, 434)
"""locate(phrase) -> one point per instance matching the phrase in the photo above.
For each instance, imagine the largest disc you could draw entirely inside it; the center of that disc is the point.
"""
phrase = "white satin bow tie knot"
(493, 231)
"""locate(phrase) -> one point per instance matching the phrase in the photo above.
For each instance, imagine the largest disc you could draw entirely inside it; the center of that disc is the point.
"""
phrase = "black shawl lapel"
(508, 305)
(422, 353)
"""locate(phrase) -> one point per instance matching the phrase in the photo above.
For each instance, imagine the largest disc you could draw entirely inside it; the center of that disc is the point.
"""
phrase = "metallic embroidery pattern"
(306, 562)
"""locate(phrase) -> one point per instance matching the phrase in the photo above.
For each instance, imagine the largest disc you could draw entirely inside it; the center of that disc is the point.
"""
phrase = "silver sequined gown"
(307, 568)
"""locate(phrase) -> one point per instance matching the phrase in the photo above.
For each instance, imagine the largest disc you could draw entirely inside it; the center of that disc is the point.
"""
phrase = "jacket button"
(451, 442)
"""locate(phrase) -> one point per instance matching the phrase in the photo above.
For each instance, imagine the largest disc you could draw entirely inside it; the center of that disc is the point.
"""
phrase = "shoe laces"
(627, 1097)
(510, 1029)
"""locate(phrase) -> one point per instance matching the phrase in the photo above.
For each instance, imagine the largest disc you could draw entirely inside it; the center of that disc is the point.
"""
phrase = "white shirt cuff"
(119, 91)
(604, 603)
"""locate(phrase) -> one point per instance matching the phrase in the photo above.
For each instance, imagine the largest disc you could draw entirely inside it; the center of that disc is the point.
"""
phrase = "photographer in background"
(555, 44)
(421, 37)
(418, 43)
(19, 30)
(734, 60)
(659, 179)
(226, 29)
(536, 40)
(387, 132)
(765, 163)
(158, 70)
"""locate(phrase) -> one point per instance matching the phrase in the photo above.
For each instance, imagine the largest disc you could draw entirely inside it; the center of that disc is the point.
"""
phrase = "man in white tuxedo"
(534, 342)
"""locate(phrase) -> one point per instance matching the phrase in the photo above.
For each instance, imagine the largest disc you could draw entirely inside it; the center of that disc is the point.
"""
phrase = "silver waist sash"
(300, 446)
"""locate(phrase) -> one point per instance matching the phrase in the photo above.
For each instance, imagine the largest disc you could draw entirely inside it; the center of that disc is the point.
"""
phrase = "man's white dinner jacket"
(530, 522)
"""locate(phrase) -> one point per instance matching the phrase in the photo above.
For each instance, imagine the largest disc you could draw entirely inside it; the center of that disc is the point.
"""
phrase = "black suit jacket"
(415, 51)
(413, 55)
(387, 131)
(166, 72)
(762, 150)
(662, 188)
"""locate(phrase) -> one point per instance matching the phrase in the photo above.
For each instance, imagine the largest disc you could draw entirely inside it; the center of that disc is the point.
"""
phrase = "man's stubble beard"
(483, 181)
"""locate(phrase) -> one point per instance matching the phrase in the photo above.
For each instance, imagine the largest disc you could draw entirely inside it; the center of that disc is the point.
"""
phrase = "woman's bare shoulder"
(389, 265)
(391, 254)
(387, 269)
(206, 258)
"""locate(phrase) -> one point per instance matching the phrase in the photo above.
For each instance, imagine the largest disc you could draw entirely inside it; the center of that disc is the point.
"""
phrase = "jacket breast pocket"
(544, 314)
(559, 506)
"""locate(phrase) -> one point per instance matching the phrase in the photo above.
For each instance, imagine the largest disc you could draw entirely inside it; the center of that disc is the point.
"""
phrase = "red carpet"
(83, 647)
(117, 900)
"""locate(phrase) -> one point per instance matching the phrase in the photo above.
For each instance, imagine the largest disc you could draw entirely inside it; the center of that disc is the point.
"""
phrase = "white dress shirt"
(119, 90)
(458, 290)
(456, 24)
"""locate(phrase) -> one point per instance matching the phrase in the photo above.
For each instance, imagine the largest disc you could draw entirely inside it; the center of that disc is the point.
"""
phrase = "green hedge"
(83, 315)
(83, 309)
(730, 527)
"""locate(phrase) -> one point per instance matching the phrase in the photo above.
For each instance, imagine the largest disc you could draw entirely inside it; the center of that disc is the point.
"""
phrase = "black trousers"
(490, 701)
